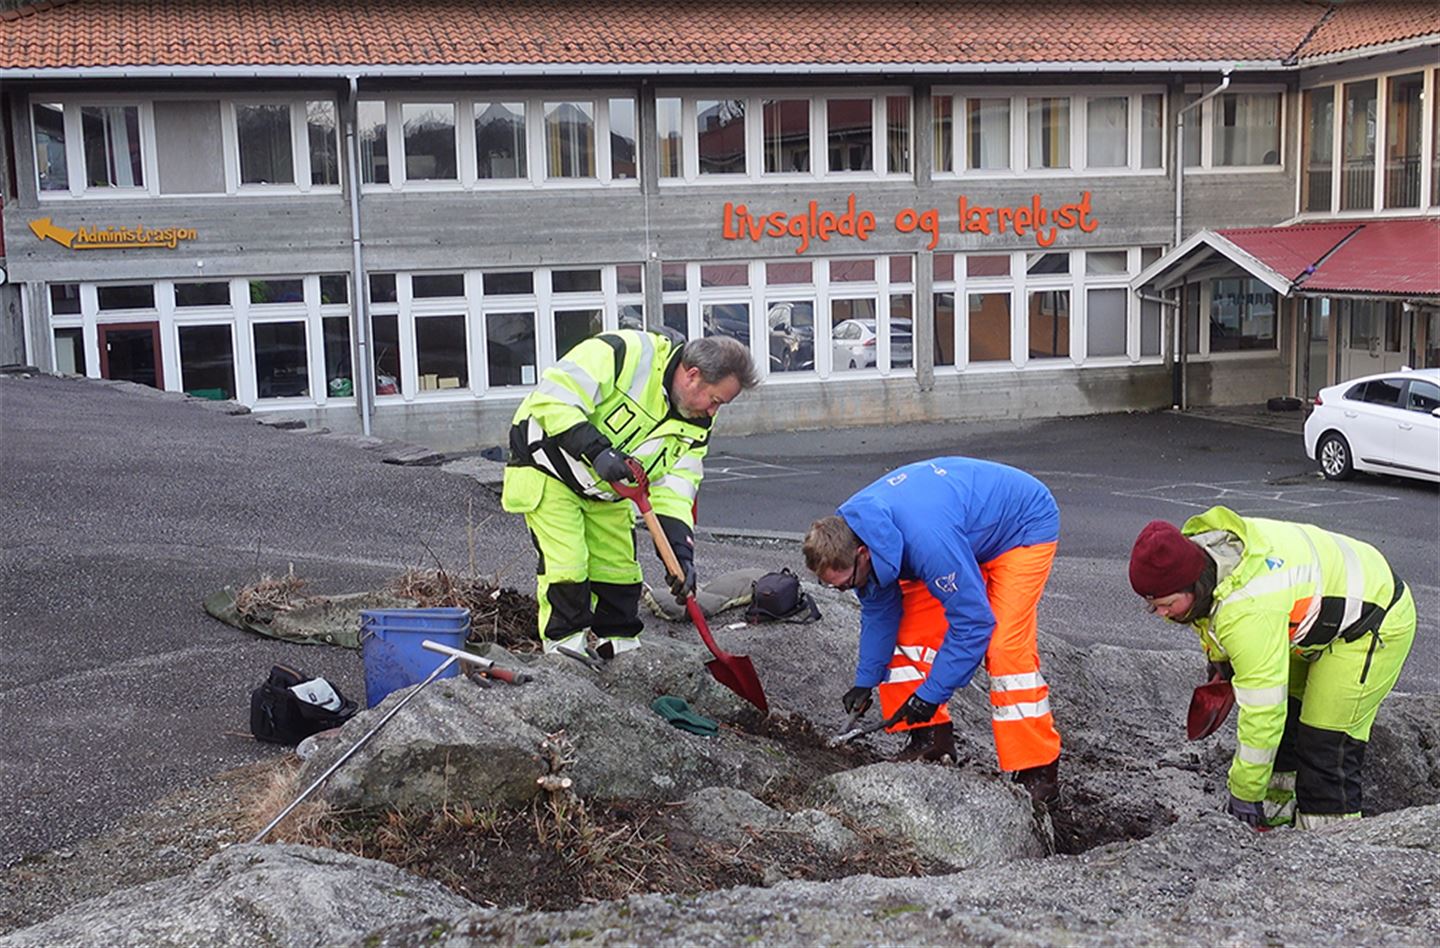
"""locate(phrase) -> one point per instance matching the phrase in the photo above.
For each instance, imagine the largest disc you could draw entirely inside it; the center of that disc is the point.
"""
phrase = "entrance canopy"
(1397, 259)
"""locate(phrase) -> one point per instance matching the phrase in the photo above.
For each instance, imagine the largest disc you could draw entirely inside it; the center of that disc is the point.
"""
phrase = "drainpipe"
(1168, 336)
(359, 291)
(1180, 149)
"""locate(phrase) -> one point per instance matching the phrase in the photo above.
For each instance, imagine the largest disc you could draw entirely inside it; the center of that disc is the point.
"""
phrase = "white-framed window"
(499, 141)
(1239, 130)
(281, 144)
(94, 146)
(784, 135)
(997, 132)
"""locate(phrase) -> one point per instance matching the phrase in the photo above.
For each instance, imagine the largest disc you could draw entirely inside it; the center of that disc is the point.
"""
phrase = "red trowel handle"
(640, 491)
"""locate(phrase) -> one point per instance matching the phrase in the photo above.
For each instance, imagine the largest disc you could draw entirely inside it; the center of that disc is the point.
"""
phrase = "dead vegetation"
(497, 614)
(262, 600)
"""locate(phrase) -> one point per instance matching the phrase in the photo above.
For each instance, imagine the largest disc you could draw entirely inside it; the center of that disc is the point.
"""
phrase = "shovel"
(733, 671)
(1209, 707)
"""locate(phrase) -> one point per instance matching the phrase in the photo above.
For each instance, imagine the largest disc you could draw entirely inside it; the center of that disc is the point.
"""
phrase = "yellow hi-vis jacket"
(1296, 589)
(611, 390)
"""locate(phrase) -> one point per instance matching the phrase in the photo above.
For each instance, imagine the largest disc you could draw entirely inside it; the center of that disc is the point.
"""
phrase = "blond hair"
(830, 544)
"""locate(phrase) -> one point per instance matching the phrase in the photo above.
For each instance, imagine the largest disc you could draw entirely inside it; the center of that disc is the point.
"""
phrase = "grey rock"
(954, 816)
(827, 833)
(482, 470)
(251, 895)
(728, 815)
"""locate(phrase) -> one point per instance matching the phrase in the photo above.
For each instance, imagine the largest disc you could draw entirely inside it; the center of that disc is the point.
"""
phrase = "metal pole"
(359, 291)
(1180, 149)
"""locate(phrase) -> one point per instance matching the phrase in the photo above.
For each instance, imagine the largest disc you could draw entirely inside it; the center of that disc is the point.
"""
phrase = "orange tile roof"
(1357, 25)
(58, 34)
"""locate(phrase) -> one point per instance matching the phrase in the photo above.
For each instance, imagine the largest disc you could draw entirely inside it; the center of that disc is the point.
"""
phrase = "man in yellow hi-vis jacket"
(616, 398)
(1314, 626)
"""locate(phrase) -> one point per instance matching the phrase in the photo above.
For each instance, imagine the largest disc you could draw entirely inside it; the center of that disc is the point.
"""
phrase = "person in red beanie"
(1312, 628)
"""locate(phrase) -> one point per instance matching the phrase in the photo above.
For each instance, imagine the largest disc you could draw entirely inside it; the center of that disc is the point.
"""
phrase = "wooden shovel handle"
(662, 542)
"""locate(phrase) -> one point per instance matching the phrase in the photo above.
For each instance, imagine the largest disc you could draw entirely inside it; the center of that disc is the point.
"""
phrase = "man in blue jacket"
(949, 558)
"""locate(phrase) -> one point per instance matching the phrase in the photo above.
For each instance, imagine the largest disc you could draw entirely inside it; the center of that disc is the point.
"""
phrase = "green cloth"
(677, 712)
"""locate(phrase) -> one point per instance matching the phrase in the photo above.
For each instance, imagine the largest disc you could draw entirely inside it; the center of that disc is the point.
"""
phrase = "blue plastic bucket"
(390, 646)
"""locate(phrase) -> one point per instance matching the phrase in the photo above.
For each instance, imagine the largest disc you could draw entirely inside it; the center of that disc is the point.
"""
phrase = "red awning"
(1384, 258)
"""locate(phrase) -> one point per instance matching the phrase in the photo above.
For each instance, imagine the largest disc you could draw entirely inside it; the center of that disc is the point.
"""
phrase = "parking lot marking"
(1247, 498)
(720, 468)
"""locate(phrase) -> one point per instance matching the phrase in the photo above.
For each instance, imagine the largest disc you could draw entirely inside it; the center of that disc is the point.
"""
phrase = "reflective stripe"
(904, 673)
(1255, 755)
(562, 394)
(917, 653)
(1262, 697)
(1023, 709)
(640, 381)
(692, 463)
(647, 448)
(1018, 682)
(588, 386)
(1354, 584)
(683, 488)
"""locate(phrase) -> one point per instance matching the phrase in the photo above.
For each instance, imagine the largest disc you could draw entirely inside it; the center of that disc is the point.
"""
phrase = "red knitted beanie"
(1164, 560)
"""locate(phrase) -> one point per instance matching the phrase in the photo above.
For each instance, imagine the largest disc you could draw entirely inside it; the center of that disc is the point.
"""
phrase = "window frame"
(299, 143)
(1206, 165)
(71, 105)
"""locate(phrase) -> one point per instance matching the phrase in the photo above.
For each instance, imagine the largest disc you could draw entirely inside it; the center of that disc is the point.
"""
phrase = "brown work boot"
(935, 742)
(1043, 782)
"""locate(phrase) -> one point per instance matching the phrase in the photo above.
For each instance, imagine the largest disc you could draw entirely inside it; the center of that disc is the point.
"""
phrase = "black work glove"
(682, 544)
(1222, 669)
(917, 710)
(857, 699)
(613, 465)
(1250, 813)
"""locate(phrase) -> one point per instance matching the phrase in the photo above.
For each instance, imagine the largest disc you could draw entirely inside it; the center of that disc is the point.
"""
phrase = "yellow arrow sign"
(43, 228)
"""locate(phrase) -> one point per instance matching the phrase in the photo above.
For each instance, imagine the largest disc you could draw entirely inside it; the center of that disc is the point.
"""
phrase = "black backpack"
(776, 597)
(279, 715)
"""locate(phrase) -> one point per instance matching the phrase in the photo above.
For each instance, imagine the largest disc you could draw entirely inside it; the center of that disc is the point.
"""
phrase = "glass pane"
(1404, 112)
(1247, 129)
(70, 351)
(513, 283)
(374, 157)
(792, 335)
(510, 349)
(334, 288)
(385, 343)
(900, 269)
(382, 288)
(575, 281)
(944, 269)
(901, 331)
(1152, 131)
(570, 139)
(726, 319)
(1434, 183)
(1191, 121)
(210, 293)
(281, 360)
(432, 285)
(277, 291)
(1149, 328)
(1317, 148)
(263, 132)
(441, 359)
(1048, 132)
(629, 278)
(1106, 132)
(720, 125)
(1192, 317)
(989, 327)
(851, 134)
(129, 296)
(500, 140)
(339, 378)
(1227, 310)
(988, 132)
(111, 135)
(944, 132)
(677, 321)
(1149, 255)
(897, 134)
(1049, 324)
(944, 329)
(787, 135)
(725, 274)
(668, 124)
(1105, 322)
(49, 119)
(631, 316)
(1039, 264)
(623, 153)
(574, 326)
(852, 271)
(987, 265)
(429, 129)
(64, 299)
(672, 276)
(853, 334)
(207, 361)
(320, 128)
(1105, 261)
(1357, 141)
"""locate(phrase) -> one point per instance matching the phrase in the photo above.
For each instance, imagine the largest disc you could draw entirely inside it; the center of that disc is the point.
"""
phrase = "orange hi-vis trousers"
(1025, 734)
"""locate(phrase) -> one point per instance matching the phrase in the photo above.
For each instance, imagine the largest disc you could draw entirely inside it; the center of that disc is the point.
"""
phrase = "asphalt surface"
(123, 508)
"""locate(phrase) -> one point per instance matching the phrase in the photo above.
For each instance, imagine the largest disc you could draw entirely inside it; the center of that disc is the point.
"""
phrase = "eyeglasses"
(849, 581)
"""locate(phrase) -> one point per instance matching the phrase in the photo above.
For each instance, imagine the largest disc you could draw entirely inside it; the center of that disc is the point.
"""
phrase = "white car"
(854, 343)
(1388, 423)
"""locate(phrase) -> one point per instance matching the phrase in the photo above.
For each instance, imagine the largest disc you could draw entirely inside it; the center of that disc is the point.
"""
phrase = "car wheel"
(1334, 455)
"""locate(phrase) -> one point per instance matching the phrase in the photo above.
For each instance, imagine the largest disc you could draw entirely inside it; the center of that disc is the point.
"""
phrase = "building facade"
(393, 217)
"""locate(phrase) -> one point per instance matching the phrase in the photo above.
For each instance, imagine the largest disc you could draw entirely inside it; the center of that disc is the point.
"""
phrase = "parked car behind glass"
(1388, 423)
(855, 343)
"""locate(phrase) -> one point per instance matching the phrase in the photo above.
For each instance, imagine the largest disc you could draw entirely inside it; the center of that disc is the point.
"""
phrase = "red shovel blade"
(1209, 707)
(735, 672)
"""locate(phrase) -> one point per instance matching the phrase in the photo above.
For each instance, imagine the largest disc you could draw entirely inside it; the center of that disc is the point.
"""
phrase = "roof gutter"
(1349, 55)
(545, 70)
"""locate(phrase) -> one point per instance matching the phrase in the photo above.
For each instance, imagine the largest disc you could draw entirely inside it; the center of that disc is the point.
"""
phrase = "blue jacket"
(937, 521)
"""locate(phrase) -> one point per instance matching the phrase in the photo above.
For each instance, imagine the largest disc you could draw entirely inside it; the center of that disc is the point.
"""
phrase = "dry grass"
(262, 600)
(312, 823)
(497, 614)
